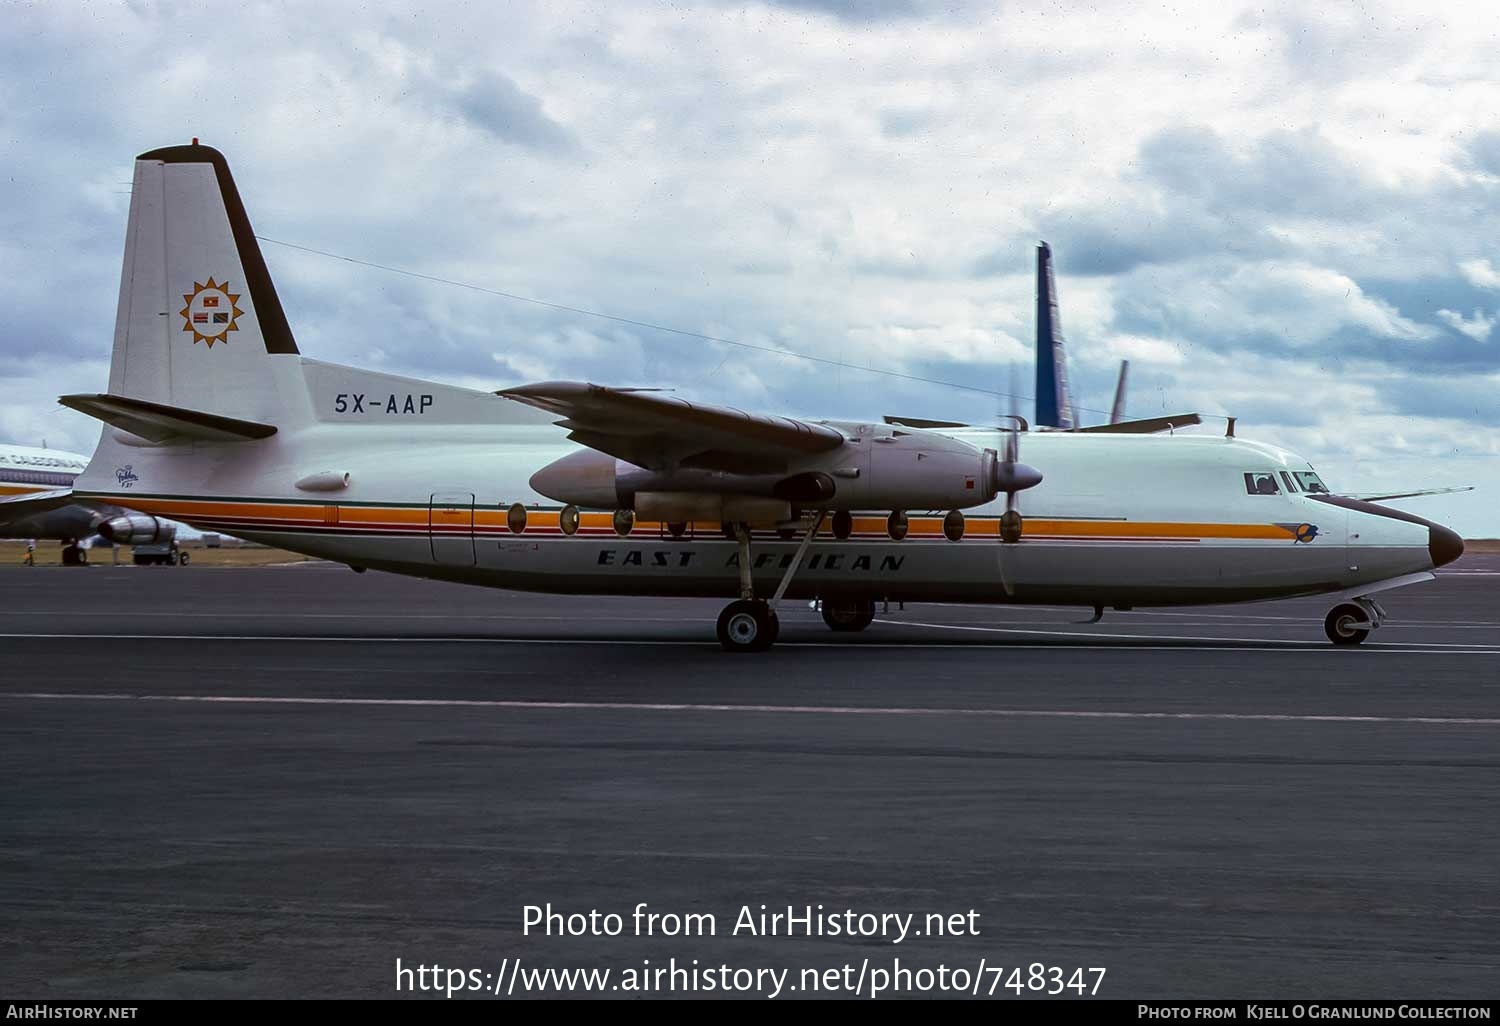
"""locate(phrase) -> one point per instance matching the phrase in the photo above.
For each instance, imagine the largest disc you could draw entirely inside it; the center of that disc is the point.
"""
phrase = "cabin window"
(1291, 486)
(1311, 482)
(1262, 482)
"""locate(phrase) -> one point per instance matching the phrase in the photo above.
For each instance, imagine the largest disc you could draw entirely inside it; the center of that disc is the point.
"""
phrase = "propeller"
(1012, 477)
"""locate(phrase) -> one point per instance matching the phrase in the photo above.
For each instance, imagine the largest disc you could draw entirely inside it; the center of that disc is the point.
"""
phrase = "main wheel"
(72, 555)
(848, 614)
(1343, 624)
(183, 559)
(748, 625)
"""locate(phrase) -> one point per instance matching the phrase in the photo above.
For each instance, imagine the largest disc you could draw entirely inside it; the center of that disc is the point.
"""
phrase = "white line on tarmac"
(1287, 643)
(825, 710)
(1298, 647)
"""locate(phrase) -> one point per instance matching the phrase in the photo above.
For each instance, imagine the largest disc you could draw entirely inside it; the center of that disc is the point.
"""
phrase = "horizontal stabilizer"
(164, 424)
(1373, 497)
(29, 503)
(1148, 426)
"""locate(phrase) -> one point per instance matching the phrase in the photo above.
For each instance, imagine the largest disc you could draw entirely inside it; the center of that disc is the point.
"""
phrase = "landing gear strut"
(750, 624)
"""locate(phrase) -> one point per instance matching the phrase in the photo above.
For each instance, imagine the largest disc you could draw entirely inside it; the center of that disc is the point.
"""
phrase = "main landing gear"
(750, 624)
(1349, 623)
(848, 614)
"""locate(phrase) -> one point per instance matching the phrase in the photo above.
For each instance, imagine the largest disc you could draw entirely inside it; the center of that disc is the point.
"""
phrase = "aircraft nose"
(1444, 545)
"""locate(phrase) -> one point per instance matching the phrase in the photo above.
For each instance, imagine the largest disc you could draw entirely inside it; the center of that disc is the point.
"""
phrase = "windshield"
(1310, 481)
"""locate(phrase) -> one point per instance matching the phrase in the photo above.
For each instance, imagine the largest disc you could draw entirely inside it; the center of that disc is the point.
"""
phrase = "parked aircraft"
(579, 488)
(29, 475)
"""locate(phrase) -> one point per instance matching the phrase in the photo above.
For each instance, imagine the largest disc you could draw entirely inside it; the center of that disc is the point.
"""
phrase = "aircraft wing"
(13, 507)
(661, 432)
(1380, 496)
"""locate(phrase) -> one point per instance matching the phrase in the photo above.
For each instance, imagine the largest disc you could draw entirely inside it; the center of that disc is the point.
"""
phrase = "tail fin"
(1117, 411)
(1054, 402)
(199, 321)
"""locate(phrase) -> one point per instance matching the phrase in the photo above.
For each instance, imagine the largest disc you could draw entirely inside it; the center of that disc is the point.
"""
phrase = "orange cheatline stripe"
(919, 527)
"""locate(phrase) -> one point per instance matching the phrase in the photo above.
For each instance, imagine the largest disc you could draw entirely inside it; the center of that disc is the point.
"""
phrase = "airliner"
(28, 473)
(574, 487)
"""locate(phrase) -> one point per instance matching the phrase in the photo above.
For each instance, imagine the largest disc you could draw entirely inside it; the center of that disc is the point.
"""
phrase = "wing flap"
(158, 422)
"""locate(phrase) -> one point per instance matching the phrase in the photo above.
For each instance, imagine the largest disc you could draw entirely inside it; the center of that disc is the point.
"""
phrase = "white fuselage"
(434, 474)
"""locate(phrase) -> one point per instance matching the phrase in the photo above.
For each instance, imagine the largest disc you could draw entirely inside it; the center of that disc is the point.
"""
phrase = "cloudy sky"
(1289, 216)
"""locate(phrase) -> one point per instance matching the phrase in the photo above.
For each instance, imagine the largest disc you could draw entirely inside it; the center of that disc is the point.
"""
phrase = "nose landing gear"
(1350, 623)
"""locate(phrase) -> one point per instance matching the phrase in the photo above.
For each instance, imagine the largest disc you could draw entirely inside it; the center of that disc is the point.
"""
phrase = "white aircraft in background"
(577, 488)
(31, 479)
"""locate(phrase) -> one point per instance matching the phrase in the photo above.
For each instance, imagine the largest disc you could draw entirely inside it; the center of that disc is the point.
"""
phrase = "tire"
(847, 615)
(183, 559)
(1339, 624)
(747, 626)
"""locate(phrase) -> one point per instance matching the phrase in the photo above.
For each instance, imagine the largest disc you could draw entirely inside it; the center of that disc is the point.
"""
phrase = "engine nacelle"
(137, 529)
(877, 468)
(922, 470)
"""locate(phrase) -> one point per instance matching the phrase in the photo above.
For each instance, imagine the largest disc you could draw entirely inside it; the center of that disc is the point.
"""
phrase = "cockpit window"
(1291, 486)
(1262, 483)
(1311, 482)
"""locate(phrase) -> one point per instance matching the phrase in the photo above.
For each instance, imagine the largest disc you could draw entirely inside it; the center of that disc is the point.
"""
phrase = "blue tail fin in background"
(1054, 402)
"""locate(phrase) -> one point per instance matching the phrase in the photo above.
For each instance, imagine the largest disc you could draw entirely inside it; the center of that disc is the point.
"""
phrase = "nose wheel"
(1347, 624)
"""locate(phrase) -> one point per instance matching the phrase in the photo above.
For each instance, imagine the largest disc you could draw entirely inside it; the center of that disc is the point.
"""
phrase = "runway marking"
(712, 707)
(1285, 643)
(1076, 634)
(1243, 644)
(1135, 620)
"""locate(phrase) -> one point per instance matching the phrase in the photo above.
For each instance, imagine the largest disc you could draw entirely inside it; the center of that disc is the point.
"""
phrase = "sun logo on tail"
(211, 313)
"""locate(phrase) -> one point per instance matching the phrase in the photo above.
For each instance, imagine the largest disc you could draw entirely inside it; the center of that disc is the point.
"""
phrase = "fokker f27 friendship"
(577, 488)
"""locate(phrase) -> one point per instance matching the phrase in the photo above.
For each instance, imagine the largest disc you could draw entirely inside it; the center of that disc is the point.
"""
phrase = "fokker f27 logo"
(211, 313)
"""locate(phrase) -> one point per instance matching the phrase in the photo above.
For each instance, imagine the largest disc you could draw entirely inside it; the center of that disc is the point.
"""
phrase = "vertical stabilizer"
(1117, 411)
(1054, 402)
(199, 321)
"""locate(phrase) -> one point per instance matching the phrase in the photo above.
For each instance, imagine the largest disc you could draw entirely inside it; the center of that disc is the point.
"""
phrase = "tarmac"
(275, 782)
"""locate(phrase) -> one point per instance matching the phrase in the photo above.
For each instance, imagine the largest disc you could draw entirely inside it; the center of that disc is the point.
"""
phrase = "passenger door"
(450, 525)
